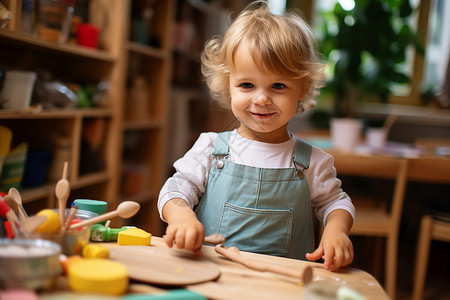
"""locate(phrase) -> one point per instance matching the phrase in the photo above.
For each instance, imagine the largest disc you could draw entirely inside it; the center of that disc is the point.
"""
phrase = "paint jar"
(72, 241)
(95, 206)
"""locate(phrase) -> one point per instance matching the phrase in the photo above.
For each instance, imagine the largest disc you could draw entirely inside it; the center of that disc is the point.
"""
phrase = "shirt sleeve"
(191, 176)
(325, 188)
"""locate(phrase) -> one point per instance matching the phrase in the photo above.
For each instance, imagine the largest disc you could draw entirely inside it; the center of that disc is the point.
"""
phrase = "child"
(257, 185)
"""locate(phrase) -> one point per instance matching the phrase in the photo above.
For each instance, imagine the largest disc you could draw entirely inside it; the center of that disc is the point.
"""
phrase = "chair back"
(373, 166)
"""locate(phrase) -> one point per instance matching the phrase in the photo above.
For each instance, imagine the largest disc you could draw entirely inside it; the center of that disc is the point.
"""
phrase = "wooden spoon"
(232, 253)
(14, 201)
(14, 193)
(62, 190)
(126, 209)
(30, 224)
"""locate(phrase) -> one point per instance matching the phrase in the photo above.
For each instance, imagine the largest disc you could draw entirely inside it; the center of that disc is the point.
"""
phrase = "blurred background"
(383, 58)
(114, 88)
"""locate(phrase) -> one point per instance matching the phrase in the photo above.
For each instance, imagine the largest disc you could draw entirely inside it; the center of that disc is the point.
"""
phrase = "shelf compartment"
(142, 197)
(68, 63)
(64, 143)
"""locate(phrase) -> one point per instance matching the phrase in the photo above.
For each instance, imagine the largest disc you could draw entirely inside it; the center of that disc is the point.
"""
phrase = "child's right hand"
(184, 229)
(185, 234)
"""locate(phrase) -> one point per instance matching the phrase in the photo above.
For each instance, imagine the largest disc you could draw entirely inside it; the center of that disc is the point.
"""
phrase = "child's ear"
(302, 95)
(304, 90)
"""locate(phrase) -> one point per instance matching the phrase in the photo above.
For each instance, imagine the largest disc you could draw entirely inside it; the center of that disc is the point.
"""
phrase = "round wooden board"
(164, 266)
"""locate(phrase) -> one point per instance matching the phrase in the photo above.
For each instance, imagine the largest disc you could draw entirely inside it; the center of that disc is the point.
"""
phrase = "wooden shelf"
(25, 40)
(91, 179)
(47, 190)
(143, 124)
(33, 194)
(143, 197)
(56, 113)
(148, 51)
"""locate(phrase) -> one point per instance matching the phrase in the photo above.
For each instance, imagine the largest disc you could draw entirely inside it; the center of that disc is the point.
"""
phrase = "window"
(427, 73)
(438, 44)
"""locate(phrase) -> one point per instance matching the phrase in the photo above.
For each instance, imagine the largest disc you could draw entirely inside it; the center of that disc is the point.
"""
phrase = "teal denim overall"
(259, 210)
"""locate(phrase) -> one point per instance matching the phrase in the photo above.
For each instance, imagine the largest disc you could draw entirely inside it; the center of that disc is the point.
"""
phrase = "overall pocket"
(266, 231)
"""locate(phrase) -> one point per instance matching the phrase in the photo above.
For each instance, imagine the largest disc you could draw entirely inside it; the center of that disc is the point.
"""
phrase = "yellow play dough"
(97, 275)
(95, 251)
(134, 236)
(52, 224)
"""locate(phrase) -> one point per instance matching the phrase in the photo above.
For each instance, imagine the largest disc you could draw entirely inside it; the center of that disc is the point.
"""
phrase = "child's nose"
(262, 99)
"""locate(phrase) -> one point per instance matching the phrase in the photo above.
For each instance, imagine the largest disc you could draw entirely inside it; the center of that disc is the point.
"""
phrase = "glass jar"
(53, 20)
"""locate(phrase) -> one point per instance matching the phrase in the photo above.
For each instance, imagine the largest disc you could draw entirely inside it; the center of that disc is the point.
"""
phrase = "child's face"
(262, 101)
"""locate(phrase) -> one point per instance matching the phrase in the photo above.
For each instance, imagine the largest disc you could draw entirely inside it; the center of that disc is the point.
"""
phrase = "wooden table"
(427, 167)
(239, 282)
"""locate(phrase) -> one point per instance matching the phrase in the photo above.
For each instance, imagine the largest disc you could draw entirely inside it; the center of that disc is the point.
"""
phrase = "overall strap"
(221, 146)
(302, 153)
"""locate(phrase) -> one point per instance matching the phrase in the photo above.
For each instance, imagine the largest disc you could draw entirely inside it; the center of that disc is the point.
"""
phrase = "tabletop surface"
(427, 166)
(239, 282)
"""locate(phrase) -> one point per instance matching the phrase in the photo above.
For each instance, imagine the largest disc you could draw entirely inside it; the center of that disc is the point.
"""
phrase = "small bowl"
(29, 264)
(71, 241)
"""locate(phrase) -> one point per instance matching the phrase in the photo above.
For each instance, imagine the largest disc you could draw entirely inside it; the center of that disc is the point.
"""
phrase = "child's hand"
(335, 247)
(185, 234)
(184, 229)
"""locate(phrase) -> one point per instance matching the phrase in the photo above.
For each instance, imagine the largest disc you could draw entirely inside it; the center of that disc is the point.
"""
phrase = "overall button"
(220, 164)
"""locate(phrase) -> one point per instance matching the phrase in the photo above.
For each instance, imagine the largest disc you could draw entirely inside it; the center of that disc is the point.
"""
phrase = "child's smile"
(263, 102)
(263, 115)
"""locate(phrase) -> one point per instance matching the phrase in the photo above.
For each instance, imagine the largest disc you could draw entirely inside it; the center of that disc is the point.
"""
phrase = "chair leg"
(379, 244)
(423, 251)
(391, 265)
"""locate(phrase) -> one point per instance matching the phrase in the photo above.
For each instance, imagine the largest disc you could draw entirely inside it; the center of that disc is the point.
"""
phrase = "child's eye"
(278, 86)
(246, 85)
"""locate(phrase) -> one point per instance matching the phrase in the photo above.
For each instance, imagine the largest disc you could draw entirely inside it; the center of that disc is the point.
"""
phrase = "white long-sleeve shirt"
(192, 171)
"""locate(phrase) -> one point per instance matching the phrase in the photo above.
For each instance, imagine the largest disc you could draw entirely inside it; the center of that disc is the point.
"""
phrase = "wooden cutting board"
(164, 266)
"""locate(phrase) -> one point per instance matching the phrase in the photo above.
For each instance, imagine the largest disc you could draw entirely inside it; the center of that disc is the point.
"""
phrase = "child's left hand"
(335, 247)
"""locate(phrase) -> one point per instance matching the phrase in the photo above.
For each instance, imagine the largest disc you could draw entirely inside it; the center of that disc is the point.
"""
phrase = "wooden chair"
(378, 220)
(430, 229)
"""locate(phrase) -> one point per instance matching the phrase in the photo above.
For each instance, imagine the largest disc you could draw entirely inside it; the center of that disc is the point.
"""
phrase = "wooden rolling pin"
(304, 275)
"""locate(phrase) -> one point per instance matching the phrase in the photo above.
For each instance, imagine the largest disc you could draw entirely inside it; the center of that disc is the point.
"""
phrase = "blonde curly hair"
(282, 44)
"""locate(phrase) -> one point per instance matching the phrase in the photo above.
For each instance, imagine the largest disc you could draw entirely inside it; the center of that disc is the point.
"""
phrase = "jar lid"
(96, 206)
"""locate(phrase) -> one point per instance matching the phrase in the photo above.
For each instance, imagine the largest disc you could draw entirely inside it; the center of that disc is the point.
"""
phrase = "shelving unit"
(196, 21)
(70, 63)
(135, 149)
(144, 160)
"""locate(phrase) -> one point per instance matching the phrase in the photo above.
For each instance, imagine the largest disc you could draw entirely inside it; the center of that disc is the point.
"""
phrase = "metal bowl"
(29, 264)
(72, 241)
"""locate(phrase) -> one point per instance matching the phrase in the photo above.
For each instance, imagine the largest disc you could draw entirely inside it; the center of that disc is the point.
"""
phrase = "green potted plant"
(366, 48)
